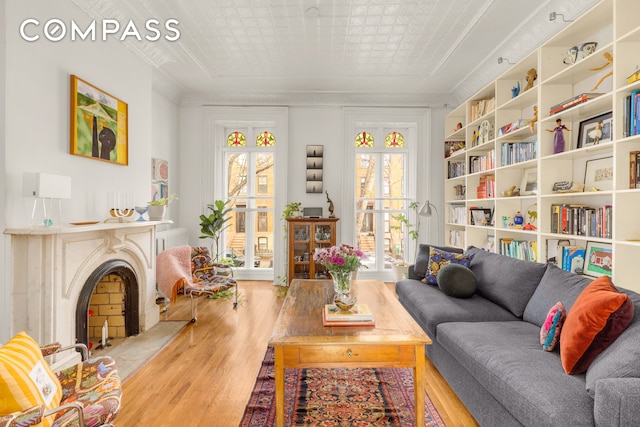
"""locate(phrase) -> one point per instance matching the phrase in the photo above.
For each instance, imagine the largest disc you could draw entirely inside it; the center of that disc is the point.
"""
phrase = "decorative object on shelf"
(158, 207)
(47, 190)
(529, 185)
(212, 225)
(506, 221)
(485, 132)
(518, 220)
(121, 214)
(515, 91)
(458, 127)
(578, 52)
(531, 77)
(598, 259)
(609, 63)
(511, 191)
(598, 174)
(451, 147)
(292, 210)
(596, 130)
(314, 168)
(634, 77)
(534, 119)
(141, 210)
(340, 261)
(558, 138)
(532, 218)
(573, 101)
(512, 127)
(331, 206)
(99, 124)
(480, 216)
(567, 187)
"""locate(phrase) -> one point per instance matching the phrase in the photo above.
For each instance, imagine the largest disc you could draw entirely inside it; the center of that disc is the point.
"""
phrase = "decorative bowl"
(344, 302)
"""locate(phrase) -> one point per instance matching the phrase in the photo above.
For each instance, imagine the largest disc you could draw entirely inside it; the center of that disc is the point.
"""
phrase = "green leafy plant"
(163, 201)
(212, 225)
(290, 209)
(412, 230)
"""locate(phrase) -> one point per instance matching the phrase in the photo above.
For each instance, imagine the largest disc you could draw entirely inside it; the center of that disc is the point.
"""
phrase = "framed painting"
(596, 130)
(529, 184)
(99, 124)
(598, 259)
(598, 175)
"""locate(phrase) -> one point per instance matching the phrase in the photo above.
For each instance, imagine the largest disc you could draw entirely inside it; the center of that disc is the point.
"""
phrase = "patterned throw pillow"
(438, 259)
(550, 331)
(26, 380)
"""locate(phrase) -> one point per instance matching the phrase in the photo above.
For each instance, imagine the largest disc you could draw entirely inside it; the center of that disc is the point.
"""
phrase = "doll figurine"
(558, 138)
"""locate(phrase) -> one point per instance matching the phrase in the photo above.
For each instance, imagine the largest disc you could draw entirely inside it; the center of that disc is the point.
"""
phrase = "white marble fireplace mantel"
(51, 265)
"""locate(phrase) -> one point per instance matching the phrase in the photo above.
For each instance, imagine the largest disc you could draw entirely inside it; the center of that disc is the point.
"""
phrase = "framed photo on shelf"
(596, 130)
(598, 259)
(529, 183)
(480, 216)
(599, 174)
(490, 243)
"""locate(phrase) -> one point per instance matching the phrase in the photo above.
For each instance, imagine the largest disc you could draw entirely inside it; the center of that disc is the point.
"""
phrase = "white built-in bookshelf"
(518, 156)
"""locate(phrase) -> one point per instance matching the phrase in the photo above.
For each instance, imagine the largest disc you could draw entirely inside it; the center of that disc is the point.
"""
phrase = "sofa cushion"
(430, 307)
(599, 315)
(506, 281)
(26, 380)
(550, 330)
(506, 358)
(556, 285)
(439, 258)
(422, 258)
(457, 281)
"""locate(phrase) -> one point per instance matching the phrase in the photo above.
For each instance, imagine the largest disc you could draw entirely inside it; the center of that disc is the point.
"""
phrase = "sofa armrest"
(617, 402)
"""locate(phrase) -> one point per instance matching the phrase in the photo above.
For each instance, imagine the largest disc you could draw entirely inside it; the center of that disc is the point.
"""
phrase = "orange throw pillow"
(598, 316)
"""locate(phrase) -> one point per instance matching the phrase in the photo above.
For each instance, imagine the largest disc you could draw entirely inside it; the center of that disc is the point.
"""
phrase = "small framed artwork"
(314, 162)
(314, 186)
(596, 130)
(598, 174)
(480, 217)
(314, 174)
(315, 150)
(99, 124)
(529, 183)
(598, 259)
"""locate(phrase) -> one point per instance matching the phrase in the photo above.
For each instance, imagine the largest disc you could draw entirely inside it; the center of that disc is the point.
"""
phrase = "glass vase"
(341, 282)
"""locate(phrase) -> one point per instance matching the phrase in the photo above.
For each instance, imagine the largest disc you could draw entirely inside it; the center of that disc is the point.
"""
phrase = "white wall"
(37, 126)
(34, 129)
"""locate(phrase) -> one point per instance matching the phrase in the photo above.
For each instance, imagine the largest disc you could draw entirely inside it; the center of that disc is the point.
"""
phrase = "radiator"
(171, 238)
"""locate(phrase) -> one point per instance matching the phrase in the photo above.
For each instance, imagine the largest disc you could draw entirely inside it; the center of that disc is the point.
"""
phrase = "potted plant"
(157, 208)
(401, 268)
(212, 225)
(292, 210)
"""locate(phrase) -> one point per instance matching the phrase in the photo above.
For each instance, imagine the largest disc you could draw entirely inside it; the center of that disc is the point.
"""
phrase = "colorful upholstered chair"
(208, 278)
(86, 394)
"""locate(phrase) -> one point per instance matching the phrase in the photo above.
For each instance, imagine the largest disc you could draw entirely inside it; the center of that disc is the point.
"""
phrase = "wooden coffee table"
(301, 341)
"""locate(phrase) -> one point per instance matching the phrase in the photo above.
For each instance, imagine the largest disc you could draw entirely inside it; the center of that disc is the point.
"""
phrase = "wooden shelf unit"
(305, 236)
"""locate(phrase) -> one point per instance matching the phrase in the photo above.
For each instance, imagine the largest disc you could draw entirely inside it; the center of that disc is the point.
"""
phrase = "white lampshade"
(46, 186)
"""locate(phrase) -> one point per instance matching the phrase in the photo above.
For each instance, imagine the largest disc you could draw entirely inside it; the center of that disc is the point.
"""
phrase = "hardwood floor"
(205, 376)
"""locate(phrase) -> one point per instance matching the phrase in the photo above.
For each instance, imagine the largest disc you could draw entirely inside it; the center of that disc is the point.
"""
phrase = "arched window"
(364, 139)
(236, 139)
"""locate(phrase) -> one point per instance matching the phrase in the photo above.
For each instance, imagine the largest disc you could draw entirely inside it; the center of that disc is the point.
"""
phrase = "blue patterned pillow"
(438, 259)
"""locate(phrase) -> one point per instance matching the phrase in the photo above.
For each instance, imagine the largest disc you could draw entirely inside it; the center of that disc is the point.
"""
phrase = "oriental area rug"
(337, 397)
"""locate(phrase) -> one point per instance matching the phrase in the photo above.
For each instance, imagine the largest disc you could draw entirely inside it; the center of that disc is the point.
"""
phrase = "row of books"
(572, 102)
(358, 315)
(571, 258)
(581, 220)
(634, 169)
(486, 187)
(631, 114)
(520, 249)
(457, 214)
(456, 169)
(482, 163)
(516, 152)
(482, 107)
(456, 238)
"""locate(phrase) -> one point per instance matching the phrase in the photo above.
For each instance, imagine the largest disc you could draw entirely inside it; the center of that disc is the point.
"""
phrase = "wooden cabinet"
(502, 149)
(305, 236)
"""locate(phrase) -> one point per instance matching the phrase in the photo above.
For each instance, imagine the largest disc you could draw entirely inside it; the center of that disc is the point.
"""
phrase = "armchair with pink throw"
(191, 270)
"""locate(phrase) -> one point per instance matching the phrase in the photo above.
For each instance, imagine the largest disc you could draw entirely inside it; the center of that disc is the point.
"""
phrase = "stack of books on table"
(358, 315)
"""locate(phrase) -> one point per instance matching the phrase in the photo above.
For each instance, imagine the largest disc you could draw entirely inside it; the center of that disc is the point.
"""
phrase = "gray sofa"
(488, 348)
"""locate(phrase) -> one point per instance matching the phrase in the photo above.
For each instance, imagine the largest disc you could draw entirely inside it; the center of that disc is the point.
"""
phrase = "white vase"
(156, 213)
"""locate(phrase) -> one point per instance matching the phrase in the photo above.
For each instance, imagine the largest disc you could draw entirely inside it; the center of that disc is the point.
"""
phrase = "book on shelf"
(581, 220)
(572, 102)
(359, 315)
(631, 114)
(634, 169)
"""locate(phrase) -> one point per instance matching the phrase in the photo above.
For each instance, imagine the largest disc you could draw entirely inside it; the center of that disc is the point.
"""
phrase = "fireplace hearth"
(55, 271)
